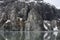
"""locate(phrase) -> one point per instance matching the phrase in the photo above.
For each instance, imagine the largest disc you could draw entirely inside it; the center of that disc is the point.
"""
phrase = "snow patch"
(55, 29)
(20, 19)
(6, 39)
(49, 37)
(48, 24)
(45, 27)
(8, 21)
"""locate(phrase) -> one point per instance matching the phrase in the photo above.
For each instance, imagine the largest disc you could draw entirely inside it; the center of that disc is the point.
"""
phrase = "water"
(29, 35)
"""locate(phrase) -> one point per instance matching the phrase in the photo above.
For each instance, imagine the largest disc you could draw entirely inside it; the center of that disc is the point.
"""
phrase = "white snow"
(45, 27)
(8, 21)
(20, 19)
(48, 37)
(48, 24)
(55, 29)
(35, 1)
(6, 39)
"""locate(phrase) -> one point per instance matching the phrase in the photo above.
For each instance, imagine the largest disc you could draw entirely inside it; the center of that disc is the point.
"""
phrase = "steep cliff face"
(24, 16)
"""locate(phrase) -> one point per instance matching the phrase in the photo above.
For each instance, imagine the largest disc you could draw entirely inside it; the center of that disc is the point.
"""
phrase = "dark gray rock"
(34, 20)
(25, 16)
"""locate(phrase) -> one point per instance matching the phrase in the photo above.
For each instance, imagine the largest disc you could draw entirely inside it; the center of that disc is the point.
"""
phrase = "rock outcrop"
(22, 16)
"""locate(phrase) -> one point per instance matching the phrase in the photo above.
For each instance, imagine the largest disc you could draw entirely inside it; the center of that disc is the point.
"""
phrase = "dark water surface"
(29, 35)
